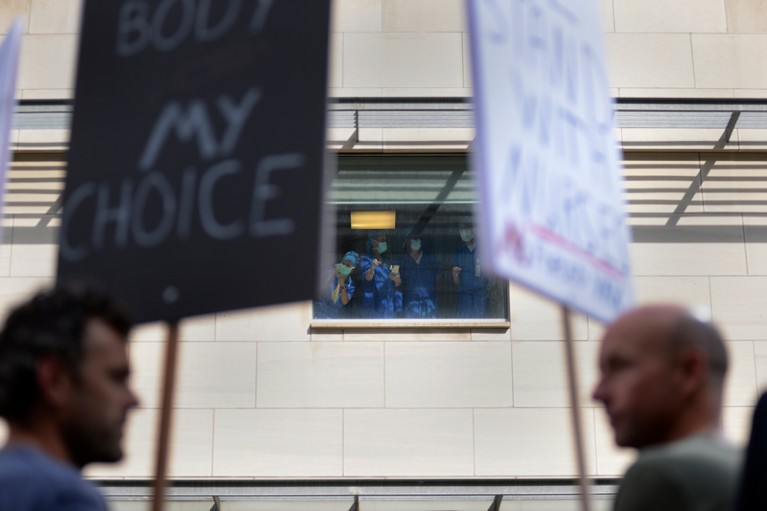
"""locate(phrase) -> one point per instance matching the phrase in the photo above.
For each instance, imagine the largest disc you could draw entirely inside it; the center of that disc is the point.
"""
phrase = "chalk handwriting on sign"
(198, 166)
(192, 195)
(195, 121)
(145, 25)
(551, 207)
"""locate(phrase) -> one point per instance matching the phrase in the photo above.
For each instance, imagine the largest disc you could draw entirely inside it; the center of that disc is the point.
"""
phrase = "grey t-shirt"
(31, 481)
(699, 473)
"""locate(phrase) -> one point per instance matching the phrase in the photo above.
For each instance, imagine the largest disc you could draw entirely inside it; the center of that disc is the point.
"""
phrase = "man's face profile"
(639, 383)
(94, 416)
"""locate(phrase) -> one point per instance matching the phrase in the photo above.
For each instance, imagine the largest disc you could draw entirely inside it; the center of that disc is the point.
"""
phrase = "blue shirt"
(31, 481)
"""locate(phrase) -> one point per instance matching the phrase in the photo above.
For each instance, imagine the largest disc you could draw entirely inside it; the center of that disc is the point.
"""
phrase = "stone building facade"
(269, 394)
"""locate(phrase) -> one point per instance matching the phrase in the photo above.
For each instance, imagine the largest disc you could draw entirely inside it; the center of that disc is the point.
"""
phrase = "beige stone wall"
(261, 394)
(49, 47)
(669, 48)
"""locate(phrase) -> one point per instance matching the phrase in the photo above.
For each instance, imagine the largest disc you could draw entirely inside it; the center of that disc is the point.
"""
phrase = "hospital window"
(406, 243)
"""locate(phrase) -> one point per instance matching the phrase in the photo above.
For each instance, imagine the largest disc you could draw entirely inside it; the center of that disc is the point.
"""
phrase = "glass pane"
(426, 265)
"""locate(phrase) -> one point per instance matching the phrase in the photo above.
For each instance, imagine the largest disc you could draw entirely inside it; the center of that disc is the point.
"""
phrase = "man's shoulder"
(703, 452)
(31, 480)
(695, 473)
(32, 463)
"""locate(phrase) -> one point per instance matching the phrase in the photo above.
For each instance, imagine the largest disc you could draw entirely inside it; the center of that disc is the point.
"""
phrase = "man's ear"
(54, 381)
(693, 364)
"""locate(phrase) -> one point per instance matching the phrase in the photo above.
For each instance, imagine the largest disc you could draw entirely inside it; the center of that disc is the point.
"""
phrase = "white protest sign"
(551, 212)
(9, 63)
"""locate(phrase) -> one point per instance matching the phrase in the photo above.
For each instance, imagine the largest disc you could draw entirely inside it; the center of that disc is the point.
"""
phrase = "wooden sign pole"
(164, 427)
(575, 408)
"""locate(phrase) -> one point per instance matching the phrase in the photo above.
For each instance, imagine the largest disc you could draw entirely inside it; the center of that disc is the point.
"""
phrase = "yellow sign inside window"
(374, 219)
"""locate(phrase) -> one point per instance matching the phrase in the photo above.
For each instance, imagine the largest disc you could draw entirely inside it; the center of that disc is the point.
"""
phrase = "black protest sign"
(195, 181)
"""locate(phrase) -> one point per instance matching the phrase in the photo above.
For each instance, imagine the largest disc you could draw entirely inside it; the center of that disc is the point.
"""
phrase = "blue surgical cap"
(352, 257)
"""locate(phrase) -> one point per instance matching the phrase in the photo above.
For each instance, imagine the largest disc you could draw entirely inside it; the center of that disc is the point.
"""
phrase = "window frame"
(456, 163)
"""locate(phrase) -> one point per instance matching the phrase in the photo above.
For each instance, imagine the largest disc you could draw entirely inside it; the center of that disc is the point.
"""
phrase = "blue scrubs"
(380, 297)
(326, 307)
(473, 288)
(419, 285)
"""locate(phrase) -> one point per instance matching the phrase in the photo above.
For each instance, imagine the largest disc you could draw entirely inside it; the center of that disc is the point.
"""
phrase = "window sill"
(410, 324)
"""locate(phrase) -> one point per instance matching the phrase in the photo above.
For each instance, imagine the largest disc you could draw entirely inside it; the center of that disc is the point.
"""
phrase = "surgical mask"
(466, 234)
(415, 245)
(343, 269)
(382, 247)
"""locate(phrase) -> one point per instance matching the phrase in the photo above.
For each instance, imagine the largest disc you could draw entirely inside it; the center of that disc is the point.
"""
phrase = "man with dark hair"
(662, 377)
(64, 392)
